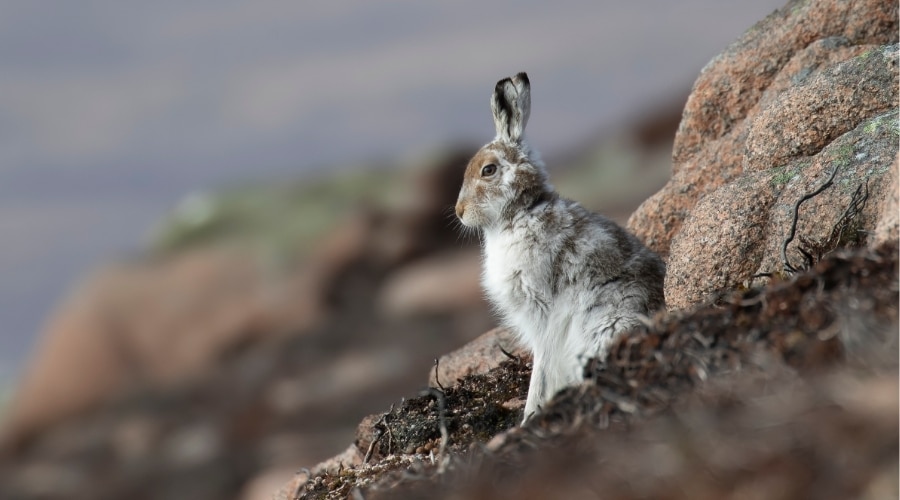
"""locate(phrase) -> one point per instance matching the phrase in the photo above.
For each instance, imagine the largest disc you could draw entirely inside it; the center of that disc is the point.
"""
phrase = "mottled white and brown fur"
(566, 280)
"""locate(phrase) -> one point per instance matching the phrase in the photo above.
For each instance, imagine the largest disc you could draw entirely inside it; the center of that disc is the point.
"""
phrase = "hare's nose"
(460, 210)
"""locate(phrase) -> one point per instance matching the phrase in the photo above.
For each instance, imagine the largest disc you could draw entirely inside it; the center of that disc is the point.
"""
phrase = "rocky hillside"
(778, 377)
(212, 373)
(784, 392)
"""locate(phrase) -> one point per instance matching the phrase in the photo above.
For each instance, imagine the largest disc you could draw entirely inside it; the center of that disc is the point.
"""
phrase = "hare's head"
(504, 176)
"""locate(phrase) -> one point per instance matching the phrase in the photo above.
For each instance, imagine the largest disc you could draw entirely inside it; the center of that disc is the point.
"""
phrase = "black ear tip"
(523, 77)
(501, 84)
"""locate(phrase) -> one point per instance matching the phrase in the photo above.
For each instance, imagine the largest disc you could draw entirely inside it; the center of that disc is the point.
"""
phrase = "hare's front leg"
(550, 374)
(537, 386)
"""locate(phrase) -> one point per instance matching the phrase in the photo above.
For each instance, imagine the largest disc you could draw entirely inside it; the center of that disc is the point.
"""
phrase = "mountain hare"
(566, 280)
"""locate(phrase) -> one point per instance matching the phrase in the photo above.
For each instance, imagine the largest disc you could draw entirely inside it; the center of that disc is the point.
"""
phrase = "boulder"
(477, 357)
(810, 89)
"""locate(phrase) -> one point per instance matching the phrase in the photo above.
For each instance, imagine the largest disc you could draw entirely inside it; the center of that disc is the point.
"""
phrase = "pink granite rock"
(810, 89)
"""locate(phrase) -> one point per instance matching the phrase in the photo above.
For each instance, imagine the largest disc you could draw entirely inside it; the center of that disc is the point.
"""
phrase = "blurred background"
(181, 180)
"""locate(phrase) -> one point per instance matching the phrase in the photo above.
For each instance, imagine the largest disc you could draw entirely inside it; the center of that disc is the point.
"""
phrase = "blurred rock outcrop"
(215, 370)
(160, 320)
(811, 88)
(149, 323)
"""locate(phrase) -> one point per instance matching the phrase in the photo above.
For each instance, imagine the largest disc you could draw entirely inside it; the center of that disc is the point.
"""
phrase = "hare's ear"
(511, 106)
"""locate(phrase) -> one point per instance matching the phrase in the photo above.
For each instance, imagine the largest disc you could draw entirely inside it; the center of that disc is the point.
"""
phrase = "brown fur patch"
(511, 153)
(481, 158)
(528, 181)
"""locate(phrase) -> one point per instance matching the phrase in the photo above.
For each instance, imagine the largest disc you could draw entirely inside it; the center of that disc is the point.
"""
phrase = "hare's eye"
(488, 170)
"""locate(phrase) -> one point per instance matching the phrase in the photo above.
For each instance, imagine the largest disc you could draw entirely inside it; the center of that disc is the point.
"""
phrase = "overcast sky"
(111, 111)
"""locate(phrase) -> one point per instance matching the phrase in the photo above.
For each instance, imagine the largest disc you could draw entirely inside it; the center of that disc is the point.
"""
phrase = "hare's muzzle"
(460, 209)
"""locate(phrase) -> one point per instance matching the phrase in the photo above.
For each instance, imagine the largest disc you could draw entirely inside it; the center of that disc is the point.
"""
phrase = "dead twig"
(437, 379)
(442, 419)
(854, 208)
(843, 233)
(387, 426)
(381, 428)
(788, 267)
(509, 355)
(378, 434)
(814, 250)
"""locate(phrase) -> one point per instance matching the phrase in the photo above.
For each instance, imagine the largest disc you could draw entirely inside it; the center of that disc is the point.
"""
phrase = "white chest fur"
(549, 302)
(516, 280)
